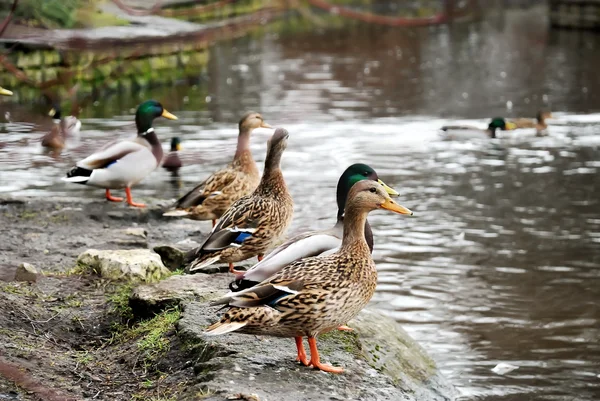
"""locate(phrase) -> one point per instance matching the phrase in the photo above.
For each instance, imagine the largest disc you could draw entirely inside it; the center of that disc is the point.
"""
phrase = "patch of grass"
(83, 357)
(153, 341)
(177, 272)
(27, 215)
(18, 289)
(119, 300)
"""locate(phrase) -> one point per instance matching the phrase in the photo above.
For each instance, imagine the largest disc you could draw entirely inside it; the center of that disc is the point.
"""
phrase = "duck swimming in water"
(451, 132)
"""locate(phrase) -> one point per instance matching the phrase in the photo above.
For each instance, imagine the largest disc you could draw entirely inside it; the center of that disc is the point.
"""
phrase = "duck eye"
(373, 190)
(366, 173)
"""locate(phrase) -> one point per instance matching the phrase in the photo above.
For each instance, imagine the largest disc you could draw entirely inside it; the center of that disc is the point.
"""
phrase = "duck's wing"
(235, 226)
(262, 294)
(109, 155)
(302, 246)
(212, 186)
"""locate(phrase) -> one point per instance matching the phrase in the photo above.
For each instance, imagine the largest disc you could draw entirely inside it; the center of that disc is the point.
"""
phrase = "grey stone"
(26, 272)
(132, 264)
(136, 232)
(380, 359)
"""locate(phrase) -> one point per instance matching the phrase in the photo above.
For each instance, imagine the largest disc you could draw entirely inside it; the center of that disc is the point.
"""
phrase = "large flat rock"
(381, 361)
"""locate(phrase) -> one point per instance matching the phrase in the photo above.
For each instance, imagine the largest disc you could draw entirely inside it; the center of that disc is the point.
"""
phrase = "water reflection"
(501, 261)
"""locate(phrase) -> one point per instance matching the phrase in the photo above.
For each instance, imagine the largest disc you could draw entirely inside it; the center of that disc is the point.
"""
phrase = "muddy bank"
(73, 334)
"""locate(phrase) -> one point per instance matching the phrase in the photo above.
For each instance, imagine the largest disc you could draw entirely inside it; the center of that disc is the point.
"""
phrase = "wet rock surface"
(381, 361)
(116, 339)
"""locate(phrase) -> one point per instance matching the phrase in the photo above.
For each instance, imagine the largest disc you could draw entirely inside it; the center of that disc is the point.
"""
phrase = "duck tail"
(223, 326)
(202, 261)
(176, 213)
(78, 175)
(241, 284)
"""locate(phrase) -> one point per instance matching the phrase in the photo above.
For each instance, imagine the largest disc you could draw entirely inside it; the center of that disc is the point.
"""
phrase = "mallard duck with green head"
(64, 128)
(255, 222)
(5, 92)
(314, 295)
(124, 163)
(172, 162)
(451, 132)
(313, 243)
(212, 197)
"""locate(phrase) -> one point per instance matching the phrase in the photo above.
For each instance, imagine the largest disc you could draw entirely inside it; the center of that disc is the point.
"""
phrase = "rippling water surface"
(501, 262)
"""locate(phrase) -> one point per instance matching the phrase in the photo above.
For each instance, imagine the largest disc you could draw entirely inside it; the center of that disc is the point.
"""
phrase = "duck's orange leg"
(345, 328)
(112, 198)
(232, 269)
(301, 352)
(260, 257)
(315, 360)
(130, 199)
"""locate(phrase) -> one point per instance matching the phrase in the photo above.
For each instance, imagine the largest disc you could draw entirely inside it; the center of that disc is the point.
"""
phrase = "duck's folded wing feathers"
(109, 155)
(264, 294)
(302, 246)
(212, 185)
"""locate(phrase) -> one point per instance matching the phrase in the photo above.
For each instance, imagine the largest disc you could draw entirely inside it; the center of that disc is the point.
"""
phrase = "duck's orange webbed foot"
(302, 357)
(315, 361)
(111, 198)
(130, 199)
(345, 328)
(232, 269)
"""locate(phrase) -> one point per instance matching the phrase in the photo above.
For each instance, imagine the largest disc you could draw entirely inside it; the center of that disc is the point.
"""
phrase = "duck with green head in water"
(469, 132)
(124, 163)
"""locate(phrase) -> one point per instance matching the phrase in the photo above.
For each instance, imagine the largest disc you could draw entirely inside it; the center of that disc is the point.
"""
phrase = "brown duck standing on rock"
(63, 129)
(211, 198)
(124, 163)
(255, 222)
(314, 295)
(172, 162)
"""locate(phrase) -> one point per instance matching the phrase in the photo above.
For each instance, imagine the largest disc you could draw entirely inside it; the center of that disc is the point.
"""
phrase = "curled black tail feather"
(79, 172)
(239, 285)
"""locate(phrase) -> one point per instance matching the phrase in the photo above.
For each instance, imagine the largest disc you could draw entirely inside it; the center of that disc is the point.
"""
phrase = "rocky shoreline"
(89, 325)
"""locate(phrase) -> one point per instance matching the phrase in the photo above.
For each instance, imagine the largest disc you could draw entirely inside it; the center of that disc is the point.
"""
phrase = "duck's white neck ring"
(148, 131)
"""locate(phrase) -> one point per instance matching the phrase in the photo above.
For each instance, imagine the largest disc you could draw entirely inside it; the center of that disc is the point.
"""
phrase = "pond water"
(501, 262)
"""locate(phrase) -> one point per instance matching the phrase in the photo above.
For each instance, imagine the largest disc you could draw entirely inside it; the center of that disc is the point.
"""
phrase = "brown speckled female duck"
(211, 198)
(64, 128)
(539, 123)
(255, 222)
(314, 295)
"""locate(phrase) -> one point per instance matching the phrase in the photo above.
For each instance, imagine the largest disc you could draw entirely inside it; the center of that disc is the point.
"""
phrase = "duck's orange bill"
(396, 208)
(265, 125)
(168, 115)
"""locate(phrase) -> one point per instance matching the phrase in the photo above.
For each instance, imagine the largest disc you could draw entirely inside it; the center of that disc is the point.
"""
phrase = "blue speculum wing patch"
(241, 237)
(110, 164)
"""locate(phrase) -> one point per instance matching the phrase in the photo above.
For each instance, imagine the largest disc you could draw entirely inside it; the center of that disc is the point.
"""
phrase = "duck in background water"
(123, 164)
(212, 197)
(314, 295)
(255, 222)
(172, 162)
(539, 123)
(453, 132)
(63, 129)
